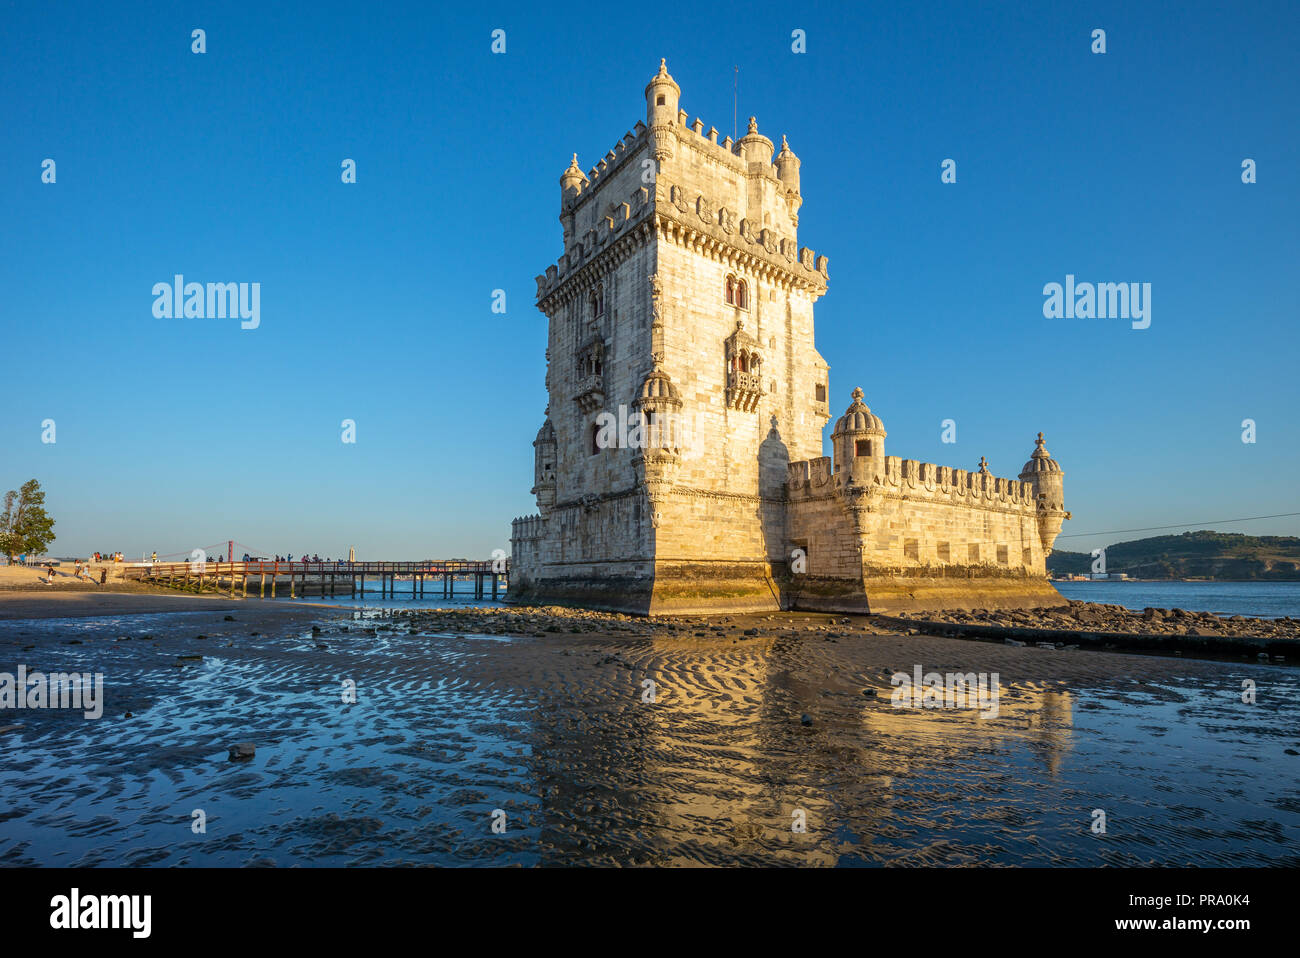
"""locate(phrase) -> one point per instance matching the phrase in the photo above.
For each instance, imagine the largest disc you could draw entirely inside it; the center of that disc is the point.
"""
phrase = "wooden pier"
(325, 578)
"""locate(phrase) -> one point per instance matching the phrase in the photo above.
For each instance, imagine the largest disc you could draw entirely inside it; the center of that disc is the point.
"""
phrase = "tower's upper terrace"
(736, 193)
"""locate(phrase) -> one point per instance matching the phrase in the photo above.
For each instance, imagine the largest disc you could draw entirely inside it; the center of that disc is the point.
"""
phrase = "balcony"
(744, 390)
(591, 392)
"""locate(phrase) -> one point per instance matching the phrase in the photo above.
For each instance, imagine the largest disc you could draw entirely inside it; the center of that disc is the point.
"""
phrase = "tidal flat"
(518, 737)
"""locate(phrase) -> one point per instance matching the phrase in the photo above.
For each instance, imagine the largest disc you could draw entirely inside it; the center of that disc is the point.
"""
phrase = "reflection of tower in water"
(712, 772)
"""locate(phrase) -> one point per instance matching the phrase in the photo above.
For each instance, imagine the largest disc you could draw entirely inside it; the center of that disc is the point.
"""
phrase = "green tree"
(25, 526)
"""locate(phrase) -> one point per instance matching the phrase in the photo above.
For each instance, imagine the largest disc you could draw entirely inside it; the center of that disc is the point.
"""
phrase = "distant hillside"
(1193, 555)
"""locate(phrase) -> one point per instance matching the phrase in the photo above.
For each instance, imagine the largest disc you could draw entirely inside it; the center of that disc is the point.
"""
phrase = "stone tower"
(680, 316)
(680, 460)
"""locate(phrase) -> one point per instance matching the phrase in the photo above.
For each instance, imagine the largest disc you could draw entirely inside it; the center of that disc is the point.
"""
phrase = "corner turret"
(754, 147)
(1046, 476)
(662, 96)
(544, 452)
(859, 443)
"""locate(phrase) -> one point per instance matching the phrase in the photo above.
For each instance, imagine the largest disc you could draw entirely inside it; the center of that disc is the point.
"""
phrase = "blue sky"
(175, 433)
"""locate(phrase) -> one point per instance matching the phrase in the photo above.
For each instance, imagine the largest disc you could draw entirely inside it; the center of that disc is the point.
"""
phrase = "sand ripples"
(602, 750)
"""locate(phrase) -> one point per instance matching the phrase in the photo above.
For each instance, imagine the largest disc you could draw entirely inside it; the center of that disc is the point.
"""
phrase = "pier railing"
(196, 575)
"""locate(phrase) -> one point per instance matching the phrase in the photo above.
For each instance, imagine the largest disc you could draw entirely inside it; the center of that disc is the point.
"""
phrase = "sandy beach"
(543, 719)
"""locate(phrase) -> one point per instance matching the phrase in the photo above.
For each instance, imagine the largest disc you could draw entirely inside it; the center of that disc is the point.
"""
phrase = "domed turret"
(572, 180)
(662, 94)
(544, 451)
(787, 168)
(1040, 461)
(859, 440)
(658, 392)
(754, 146)
(1048, 480)
(659, 402)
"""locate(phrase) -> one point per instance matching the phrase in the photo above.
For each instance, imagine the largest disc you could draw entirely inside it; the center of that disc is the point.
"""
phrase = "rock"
(751, 631)
(129, 715)
(230, 618)
(9, 728)
(869, 693)
(805, 719)
(1020, 645)
(242, 751)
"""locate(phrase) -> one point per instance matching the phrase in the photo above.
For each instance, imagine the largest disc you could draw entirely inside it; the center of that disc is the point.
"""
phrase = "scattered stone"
(129, 715)
(14, 728)
(242, 751)
(805, 719)
(1020, 645)
(230, 618)
(869, 693)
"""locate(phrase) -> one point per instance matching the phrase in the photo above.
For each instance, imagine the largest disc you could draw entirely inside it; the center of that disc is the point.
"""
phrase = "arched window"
(597, 300)
(731, 291)
(742, 294)
(595, 439)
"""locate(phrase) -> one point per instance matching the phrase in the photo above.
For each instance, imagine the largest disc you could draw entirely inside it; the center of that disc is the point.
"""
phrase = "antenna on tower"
(735, 99)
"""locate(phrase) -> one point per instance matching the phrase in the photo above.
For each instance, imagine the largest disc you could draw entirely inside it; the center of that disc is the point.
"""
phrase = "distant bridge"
(323, 576)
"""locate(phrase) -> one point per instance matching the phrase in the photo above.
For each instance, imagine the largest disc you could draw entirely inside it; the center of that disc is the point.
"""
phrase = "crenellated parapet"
(525, 528)
(863, 481)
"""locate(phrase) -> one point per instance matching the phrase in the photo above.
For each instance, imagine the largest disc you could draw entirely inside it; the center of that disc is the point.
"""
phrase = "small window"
(730, 295)
(863, 448)
(659, 101)
(1002, 555)
(821, 392)
(973, 551)
(912, 549)
(595, 439)
(742, 295)
(945, 552)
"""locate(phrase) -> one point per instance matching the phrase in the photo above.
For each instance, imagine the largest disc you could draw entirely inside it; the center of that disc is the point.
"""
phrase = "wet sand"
(52, 605)
(546, 719)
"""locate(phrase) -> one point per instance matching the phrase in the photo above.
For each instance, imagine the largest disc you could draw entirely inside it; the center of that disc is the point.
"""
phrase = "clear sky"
(376, 296)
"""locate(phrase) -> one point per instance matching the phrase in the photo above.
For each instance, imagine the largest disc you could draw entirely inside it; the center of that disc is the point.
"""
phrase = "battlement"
(599, 174)
(528, 527)
(815, 477)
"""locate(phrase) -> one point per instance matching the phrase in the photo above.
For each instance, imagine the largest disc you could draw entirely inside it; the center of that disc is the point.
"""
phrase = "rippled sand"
(553, 731)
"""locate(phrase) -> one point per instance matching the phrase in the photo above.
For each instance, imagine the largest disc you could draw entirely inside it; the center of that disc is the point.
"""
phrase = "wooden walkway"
(326, 578)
